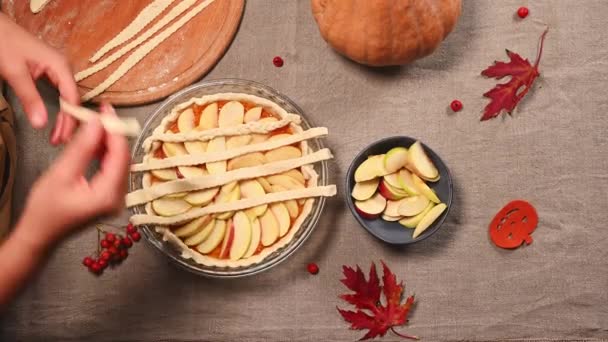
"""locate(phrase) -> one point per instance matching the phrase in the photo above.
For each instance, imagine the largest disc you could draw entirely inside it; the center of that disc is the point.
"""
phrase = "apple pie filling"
(228, 178)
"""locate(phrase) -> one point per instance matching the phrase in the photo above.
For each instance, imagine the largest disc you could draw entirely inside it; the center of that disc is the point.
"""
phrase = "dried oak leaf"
(371, 314)
(507, 95)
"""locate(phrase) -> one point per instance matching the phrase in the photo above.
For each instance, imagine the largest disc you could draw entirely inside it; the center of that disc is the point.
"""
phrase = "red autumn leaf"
(371, 314)
(507, 95)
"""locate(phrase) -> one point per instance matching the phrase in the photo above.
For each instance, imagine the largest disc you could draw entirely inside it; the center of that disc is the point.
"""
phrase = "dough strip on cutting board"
(146, 16)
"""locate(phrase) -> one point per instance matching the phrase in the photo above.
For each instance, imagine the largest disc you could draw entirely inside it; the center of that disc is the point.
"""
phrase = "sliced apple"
(392, 208)
(269, 119)
(229, 187)
(270, 228)
(419, 162)
(371, 208)
(227, 241)
(185, 121)
(257, 138)
(371, 168)
(293, 208)
(164, 174)
(432, 179)
(391, 218)
(216, 144)
(414, 205)
(224, 197)
(395, 159)
(393, 180)
(256, 235)
(202, 234)
(251, 188)
(167, 206)
(214, 239)
(265, 184)
(242, 235)
(201, 197)
(246, 160)
(209, 117)
(429, 218)
(178, 194)
(425, 190)
(295, 174)
(285, 181)
(231, 114)
(191, 171)
(253, 114)
(391, 193)
(174, 149)
(407, 182)
(283, 153)
(412, 222)
(196, 147)
(237, 141)
(279, 136)
(365, 190)
(192, 227)
(282, 215)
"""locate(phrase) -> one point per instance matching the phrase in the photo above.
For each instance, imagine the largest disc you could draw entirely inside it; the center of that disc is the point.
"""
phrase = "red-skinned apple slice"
(371, 168)
(282, 215)
(203, 234)
(412, 206)
(393, 180)
(412, 222)
(425, 190)
(391, 193)
(407, 182)
(214, 239)
(420, 163)
(429, 218)
(395, 159)
(256, 235)
(392, 208)
(371, 208)
(365, 190)
(242, 235)
(228, 240)
(270, 228)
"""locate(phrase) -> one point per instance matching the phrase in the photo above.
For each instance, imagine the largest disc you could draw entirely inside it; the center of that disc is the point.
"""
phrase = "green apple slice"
(167, 206)
(270, 228)
(419, 162)
(201, 235)
(411, 206)
(429, 218)
(365, 190)
(192, 227)
(201, 197)
(412, 222)
(185, 121)
(209, 117)
(256, 235)
(371, 168)
(395, 159)
(283, 153)
(216, 144)
(253, 114)
(231, 114)
(425, 190)
(390, 192)
(246, 160)
(393, 180)
(407, 182)
(282, 215)
(242, 235)
(214, 239)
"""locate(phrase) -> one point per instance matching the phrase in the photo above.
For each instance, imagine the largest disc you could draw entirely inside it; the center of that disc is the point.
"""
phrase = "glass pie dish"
(219, 87)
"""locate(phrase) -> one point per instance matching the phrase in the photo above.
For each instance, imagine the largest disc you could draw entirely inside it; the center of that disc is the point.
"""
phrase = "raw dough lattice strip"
(144, 50)
(173, 13)
(321, 191)
(192, 184)
(251, 127)
(112, 124)
(229, 154)
(146, 16)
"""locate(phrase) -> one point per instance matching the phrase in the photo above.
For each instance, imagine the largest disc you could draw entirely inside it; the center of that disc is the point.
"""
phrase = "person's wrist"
(33, 235)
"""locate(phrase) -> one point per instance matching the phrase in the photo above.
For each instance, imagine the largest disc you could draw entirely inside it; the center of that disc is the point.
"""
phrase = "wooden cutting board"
(78, 28)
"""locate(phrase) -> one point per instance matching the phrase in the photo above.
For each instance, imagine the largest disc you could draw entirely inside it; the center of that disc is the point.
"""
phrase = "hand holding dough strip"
(203, 158)
(321, 191)
(112, 124)
(142, 196)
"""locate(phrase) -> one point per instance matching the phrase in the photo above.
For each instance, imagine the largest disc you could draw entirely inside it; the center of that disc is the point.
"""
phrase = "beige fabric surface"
(552, 152)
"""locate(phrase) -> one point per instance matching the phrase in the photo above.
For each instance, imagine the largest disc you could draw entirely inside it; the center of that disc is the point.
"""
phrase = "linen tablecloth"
(552, 152)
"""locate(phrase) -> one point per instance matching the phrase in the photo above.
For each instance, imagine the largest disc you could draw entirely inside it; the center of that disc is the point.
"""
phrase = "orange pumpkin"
(385, 32)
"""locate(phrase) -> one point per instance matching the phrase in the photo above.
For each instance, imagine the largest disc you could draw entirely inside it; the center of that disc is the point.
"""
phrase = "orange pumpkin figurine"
(513, 224)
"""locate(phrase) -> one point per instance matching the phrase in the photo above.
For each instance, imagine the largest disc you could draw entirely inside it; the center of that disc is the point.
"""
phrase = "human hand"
(23, 60)
(63, 198)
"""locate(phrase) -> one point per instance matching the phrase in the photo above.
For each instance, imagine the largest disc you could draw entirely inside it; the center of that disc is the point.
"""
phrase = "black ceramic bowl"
(393, 232)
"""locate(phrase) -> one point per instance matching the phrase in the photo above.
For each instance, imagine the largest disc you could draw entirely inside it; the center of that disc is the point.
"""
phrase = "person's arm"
(23, 60)
(62, 199)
